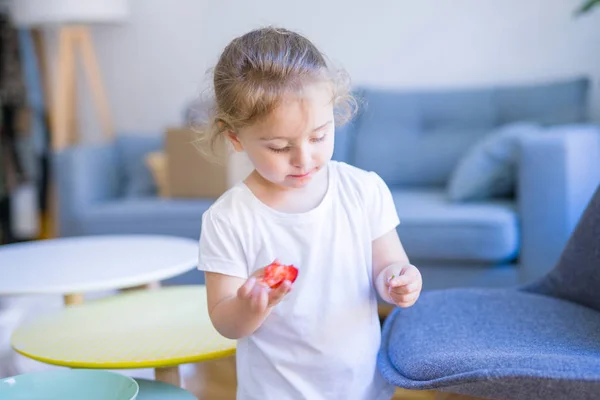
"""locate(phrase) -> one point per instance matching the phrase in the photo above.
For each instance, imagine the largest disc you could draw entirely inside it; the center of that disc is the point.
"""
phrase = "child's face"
(290, 146)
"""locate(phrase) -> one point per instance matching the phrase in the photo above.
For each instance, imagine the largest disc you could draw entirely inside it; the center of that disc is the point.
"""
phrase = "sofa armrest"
(84, 175)
(558, 173)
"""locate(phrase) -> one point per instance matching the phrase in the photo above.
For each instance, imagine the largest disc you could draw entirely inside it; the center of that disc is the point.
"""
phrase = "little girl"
(315, 336)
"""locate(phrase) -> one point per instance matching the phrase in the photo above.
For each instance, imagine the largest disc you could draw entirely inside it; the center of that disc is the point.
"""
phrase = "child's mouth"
(300, 176)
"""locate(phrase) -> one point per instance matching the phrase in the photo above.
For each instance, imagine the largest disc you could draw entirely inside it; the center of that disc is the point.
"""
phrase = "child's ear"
(235, 141)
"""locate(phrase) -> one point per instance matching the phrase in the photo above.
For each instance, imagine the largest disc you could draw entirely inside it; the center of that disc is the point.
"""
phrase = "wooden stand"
(60, 97)
(148, 286)
(73, 299)
(168, 375)
(63, 109)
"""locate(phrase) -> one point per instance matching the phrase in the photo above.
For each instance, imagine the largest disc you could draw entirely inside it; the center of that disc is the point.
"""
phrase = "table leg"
(73, 299)
(168, 375)
(148, 286)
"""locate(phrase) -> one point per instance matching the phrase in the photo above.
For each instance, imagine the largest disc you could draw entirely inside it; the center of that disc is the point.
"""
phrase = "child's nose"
(301, 157)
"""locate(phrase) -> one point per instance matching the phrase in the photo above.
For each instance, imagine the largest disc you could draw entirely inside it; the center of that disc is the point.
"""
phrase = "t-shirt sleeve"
(380, 206)
(220, 248)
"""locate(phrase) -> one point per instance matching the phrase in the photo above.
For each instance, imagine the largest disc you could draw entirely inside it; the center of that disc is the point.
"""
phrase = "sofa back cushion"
(416, 138)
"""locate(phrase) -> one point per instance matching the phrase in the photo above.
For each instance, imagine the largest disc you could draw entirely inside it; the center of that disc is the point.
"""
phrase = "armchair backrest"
(576, 276)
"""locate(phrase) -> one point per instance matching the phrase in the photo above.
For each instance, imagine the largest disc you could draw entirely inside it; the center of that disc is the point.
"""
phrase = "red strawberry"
(276, 273)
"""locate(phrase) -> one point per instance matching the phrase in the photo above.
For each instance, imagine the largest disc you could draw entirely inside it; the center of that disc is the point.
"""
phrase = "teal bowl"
(71, 384)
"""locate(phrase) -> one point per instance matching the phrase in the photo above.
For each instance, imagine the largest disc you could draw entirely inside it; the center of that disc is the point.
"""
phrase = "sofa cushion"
(180, 217)
(557, 103)
(433, 228)
(415, 138)
(489, 168)
(137, 179)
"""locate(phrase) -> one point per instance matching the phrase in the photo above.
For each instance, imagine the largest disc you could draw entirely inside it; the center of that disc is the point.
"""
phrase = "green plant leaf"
(588, 6)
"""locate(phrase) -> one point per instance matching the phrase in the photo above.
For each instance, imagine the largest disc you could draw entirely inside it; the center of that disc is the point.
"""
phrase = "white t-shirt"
(321, 341)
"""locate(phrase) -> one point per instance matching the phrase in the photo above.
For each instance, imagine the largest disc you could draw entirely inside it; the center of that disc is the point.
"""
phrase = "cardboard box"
(191, 175)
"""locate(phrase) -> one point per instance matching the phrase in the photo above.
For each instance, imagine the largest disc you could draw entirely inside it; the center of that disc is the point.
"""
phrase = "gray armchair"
(540, 341)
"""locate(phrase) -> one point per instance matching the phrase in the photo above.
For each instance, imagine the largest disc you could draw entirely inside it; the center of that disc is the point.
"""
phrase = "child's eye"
(282, 150)
(319, 139)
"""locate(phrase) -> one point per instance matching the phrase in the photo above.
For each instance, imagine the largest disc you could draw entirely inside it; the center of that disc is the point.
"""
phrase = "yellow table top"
(141, 329)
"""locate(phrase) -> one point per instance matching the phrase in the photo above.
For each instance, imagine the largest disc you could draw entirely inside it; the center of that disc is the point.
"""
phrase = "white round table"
(74, 265)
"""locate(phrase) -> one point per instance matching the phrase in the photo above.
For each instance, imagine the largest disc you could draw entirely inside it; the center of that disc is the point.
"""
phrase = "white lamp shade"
(54, 12)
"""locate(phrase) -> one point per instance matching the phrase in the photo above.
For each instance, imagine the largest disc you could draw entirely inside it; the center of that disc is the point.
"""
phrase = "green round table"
(160, 329)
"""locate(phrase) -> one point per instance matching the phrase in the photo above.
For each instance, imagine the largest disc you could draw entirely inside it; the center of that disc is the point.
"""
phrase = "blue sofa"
(414, 140)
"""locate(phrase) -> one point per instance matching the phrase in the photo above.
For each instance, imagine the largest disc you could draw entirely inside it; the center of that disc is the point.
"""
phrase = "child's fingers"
(276, 295)
(405, 289)
(401, 280)
(260, 298)
(405, 277)
(406, 300)
(245, 290)
(259, 273)
(389, 276)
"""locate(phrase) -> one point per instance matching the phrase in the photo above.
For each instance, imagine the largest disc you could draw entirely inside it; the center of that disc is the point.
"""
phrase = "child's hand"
(258, 296)
(404, 284)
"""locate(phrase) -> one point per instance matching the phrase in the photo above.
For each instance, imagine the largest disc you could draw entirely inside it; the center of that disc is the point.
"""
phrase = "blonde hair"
(253, 74)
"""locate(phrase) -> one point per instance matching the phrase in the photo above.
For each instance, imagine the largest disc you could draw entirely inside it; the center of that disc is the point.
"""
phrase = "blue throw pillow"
(137, 177)
(489, 167)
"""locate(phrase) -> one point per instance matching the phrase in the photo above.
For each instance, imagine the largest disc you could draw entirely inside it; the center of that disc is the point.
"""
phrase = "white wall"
(157, 62)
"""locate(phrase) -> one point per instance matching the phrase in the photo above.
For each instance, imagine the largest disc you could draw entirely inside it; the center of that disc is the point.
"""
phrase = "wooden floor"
(216, 380)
